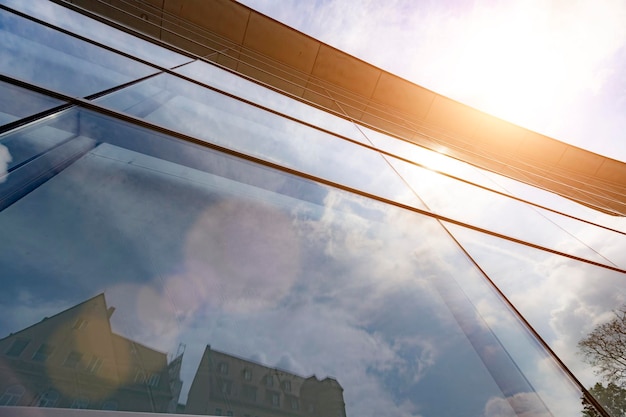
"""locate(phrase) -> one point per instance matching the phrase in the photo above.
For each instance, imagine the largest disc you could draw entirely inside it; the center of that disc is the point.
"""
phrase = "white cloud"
(562, 299)
(5, 158)
(525, 404)
(321, 316)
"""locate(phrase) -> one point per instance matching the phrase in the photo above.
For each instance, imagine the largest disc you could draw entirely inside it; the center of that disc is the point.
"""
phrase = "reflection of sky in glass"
(559, 203)
(464, 202)
(493, 212)
(51, 59)
(198, 248)
(562, 299)
(376, 297)
(90, 28)
(202, 113)
(231, 83)
(16, 103)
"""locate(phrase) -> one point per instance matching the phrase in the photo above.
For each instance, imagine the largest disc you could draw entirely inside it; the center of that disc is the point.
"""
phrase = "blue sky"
(555, 67)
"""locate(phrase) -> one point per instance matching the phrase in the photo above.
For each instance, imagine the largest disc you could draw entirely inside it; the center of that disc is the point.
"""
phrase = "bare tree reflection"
(605, 349)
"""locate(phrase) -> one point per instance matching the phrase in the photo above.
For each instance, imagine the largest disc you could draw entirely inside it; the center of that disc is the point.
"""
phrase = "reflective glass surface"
(557, 202)
(425, 157)
(231, 83)
(17, 102)
(26, 144)
(97, 31)
(200, 112)
(51, 59)
(286, 294)
(481, 207)
(496, 213)
(148, 272)
(564, 300)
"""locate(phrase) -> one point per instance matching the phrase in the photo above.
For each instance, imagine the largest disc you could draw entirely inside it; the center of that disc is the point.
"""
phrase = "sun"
(516, 69)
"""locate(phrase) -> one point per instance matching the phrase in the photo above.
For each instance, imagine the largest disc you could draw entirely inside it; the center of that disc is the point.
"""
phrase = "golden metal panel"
(580, 160)
(542, 149)
(201, 44)
(226, 18)
(346, 103)
(454, 116)
(345, 71)
(319, 96)
(268, 71)
(499, 135)
(403, 95)
(387, 125)
(282, 43)
(612, 170)
(147, 22)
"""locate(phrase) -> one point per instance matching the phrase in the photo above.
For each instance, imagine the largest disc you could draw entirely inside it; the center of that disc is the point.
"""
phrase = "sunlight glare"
(515, 71)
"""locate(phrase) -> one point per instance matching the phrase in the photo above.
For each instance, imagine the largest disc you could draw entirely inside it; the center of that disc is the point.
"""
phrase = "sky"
(555, 67)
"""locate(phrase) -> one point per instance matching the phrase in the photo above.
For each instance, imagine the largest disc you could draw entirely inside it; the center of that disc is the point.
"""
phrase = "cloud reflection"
(5, 159)
(240, 256)
(524, 404)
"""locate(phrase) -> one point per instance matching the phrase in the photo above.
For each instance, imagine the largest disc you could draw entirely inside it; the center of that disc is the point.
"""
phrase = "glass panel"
(482, 208)
(51, 59)
(464, 202)
(564, 300)
(426, 157)
(82, 25)
(17, 102)
(26, 144)
(200, 112)
(211, 75)
(557, 202)
(366, 309)
(441, 163)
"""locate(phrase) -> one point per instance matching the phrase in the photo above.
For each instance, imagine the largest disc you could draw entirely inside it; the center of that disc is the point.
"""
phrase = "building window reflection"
(273, 398)
(225, 386)
(80, 324)
(109, 405)
(17, 347)
(140, 377)
(12, 395)
(222, 368)
(72, 360)
(94, 365)
(48, 399)
(286, 386)
(43, 353)
(294, 403)
(154, 379)
(81, 402)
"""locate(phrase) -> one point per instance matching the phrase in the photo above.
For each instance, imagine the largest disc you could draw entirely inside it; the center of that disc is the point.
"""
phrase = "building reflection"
(227, 385)
(74, 360)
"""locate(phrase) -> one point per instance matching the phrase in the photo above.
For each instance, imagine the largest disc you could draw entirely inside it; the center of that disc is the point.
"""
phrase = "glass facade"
(180, 239)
